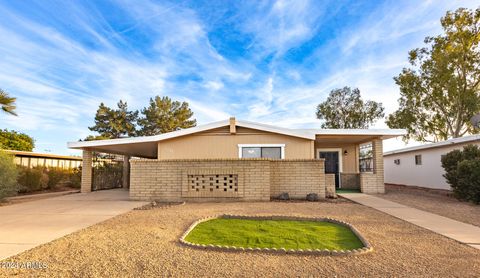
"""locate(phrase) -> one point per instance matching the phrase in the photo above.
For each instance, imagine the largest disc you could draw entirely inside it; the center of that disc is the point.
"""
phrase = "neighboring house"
(421, 165)
(31, 159)
(240, 160)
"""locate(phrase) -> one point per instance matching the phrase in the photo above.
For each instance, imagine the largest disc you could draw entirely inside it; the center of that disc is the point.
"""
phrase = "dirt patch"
(434, 201)
(146, 243)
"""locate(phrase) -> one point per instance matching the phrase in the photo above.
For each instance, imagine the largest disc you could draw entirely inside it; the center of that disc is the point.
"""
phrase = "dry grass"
(145, 243)
(435, 202)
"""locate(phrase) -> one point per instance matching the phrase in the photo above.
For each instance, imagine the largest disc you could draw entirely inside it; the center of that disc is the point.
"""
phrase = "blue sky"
(266, 61)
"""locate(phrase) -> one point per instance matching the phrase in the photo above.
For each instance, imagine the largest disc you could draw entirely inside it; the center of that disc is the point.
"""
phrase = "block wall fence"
(226, 179)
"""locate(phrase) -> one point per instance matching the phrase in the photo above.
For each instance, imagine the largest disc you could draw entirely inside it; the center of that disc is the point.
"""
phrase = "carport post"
(87, 171)
(126, 171)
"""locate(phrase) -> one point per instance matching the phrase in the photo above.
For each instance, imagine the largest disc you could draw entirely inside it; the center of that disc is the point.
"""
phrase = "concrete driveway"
(26, 225)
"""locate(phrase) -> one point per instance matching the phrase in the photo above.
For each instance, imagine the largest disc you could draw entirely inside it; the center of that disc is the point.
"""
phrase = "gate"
(107, 172)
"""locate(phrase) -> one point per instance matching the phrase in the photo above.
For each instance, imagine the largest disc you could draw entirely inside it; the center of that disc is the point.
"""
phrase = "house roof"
(453, 141)
(46, 155)
(147, 144)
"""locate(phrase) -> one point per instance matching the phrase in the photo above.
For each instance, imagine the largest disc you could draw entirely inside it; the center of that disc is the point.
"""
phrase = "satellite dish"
(476, 120)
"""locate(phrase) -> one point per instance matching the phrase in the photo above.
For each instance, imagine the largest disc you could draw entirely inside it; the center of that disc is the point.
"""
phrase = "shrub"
(56, 177)
(75, 177)
(463, 172)
(40, 178)
(34, 179)
(8, 176)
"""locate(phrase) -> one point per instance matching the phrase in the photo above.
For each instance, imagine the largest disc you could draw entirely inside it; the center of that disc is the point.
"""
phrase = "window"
(418, 159)
(261, 151)
(366, 157)
(250, 152)
(397, 161)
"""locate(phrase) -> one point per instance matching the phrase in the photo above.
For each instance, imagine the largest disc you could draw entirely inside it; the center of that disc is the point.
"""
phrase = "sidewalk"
(459, 231)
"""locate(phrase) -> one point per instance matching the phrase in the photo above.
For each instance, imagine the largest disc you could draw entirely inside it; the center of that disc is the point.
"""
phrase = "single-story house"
(241, 160)
(421, 165)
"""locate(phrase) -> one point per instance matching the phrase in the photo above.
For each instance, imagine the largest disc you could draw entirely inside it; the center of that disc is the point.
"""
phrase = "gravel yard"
(434, 202)
(145, 243)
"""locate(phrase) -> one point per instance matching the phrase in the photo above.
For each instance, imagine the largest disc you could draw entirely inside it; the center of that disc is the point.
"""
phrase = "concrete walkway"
(26, 225)
(459, 231)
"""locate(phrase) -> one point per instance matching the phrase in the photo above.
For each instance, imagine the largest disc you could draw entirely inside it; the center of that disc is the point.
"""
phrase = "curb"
(363, 250)
(42, 195)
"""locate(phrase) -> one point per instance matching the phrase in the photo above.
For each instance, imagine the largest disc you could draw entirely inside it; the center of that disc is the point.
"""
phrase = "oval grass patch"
(274, 233)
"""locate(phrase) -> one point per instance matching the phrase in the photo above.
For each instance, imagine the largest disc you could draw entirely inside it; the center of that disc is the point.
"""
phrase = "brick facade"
(87, 172)
(330, 185)
(297, 177)
(373, 183)
(224, 179)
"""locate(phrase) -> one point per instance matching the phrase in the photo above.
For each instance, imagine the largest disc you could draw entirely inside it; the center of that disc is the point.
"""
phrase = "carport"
(140, 147)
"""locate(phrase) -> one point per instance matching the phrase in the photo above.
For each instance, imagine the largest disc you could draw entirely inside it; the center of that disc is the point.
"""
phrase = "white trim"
(382, 133)
(309, 134)
(187, 131)
(340, 156)
(274, 129)
(281, 146)
(454, 141)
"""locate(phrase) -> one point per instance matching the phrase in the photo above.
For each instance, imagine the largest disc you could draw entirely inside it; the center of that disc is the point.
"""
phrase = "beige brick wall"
(297, 177)
(258, 179)
(330, 185)
(87, 172)
(373, 183)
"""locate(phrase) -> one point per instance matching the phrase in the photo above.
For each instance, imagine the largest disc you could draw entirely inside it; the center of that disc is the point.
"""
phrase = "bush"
(56, 177)
(8, 176)
(34, 179)
(75, 177)
(463, 172)
(40, 178)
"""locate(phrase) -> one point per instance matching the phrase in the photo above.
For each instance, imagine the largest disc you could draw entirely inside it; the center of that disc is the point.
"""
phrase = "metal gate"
(107, 172)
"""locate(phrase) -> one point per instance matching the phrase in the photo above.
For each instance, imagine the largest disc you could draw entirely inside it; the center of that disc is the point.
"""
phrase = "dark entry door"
(331, 164)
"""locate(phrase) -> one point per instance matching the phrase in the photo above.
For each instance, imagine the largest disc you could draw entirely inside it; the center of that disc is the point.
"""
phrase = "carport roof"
(146, 146)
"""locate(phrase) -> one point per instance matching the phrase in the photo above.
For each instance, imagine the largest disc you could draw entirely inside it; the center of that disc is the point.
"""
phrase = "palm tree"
(7, 103)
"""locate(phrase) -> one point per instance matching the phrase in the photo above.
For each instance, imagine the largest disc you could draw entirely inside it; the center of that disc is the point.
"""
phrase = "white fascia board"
(279, 130)
(387, 132)
(147, 139)
(301, 133)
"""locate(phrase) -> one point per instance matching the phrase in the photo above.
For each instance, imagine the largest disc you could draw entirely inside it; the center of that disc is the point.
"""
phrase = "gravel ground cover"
(435, 202)
(145, 243)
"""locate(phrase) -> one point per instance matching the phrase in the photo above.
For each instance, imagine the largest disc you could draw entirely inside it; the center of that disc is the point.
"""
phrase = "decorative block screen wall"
(213, 183)
(237, 179)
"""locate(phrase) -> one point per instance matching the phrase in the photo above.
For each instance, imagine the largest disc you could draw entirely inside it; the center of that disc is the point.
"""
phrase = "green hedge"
(462, 169)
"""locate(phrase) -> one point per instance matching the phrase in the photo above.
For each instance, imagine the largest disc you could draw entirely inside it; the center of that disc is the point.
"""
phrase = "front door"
(331, 164)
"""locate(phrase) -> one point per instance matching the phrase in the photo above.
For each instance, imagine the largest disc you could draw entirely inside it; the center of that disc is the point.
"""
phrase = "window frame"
(418, 160)
(281, 146)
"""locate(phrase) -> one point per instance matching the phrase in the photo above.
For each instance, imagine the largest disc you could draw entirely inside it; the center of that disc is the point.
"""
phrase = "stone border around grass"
(366, 249)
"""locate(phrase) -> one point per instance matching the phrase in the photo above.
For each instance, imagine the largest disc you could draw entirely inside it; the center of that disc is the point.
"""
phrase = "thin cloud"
(276, 61)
